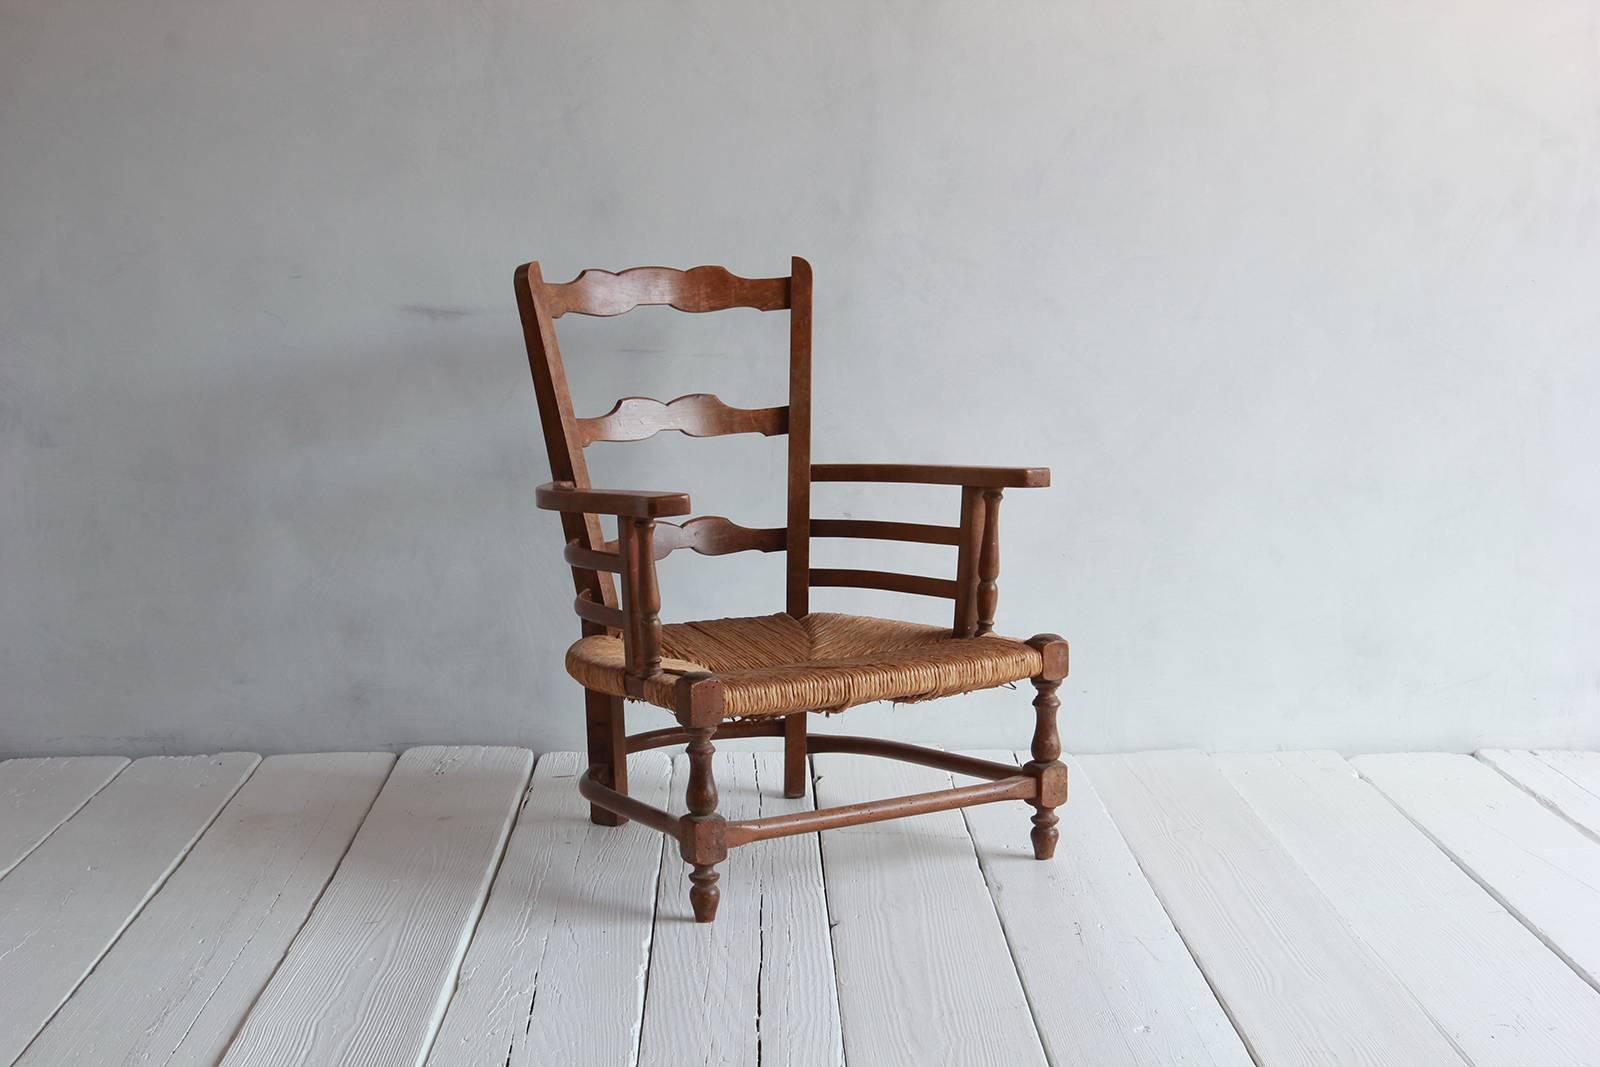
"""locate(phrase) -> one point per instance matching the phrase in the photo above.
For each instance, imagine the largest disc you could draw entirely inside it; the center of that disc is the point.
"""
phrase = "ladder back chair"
(761, 676)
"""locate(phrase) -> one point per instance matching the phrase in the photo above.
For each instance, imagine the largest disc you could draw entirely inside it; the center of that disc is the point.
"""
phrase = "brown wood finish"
(560, 430)
(626, 503)
(607, 618)
(641, 631)
(988, 591)
(703, 835)
(969, 545)
(605, 721)
(886, 580)
(1017, 787)
(797, 593)
(794, 756)
(627, 807)
(677, 735)
(1046, 766)
(699, 289)
(713, 535)
(1004, 782)
(577, 556)
(873, 530)
(937, 758)
(638, 418)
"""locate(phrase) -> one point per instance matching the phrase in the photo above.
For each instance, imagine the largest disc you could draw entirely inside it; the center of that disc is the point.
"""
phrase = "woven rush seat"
(774, 665)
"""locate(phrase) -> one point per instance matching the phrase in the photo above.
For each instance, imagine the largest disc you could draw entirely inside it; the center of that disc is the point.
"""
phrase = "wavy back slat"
(713, 535)
(709, 535)
(635, 418)
(698, 289)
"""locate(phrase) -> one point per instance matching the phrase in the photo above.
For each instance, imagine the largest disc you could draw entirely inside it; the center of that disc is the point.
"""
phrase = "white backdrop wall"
(1298, 300)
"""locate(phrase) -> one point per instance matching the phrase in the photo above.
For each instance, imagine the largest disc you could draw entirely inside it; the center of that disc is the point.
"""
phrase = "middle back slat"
(636, 418)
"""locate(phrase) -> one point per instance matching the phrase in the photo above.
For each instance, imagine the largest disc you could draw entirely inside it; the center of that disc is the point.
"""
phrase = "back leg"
(794, 755)
(608, 749)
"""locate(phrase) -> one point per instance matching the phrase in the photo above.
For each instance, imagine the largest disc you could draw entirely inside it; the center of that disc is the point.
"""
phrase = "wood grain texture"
(367, 979)
(924, 972)
(757, 986)
(797, 507)
(1567, 783)
(38, 795)
(63, 906)
(639, 418)
(1299, 986)
(713, 535)
(1501, 996)
(560, 427)
(1539, 865)
(698, 289)
(555, 972)
(628, 503)
(1109, 980)
(872, 529)
(833, 577)
(179, 981)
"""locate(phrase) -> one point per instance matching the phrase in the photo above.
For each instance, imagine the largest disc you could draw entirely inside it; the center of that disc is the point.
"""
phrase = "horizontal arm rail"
(932, 474)
(599, 614)
(872, 529)
(591, 560)
(887, 580)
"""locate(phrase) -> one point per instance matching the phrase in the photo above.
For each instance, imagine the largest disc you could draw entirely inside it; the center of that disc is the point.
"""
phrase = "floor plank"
(63, 906)
(924, 972)
(367, 978)
(1297, 983)
(756, 986)
(1539, 865)
(555, 972)
(179, 981)
(1567, 783)
(38, 795)
(1494, 988)
(1108, 978)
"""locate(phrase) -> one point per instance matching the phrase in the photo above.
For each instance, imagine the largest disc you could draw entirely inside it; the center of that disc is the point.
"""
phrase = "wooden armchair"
(757, 677)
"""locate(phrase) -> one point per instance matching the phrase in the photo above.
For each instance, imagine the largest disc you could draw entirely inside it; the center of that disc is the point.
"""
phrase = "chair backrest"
(701, 289)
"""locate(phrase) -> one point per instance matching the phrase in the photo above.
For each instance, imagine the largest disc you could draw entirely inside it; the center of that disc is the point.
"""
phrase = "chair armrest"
(624, 503)
(637, 616)
(931, 474)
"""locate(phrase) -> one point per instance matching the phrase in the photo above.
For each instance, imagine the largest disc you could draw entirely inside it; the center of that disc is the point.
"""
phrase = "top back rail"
(698, 289)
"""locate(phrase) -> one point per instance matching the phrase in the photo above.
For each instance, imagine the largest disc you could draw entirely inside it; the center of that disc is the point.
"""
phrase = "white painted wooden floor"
(447, 909)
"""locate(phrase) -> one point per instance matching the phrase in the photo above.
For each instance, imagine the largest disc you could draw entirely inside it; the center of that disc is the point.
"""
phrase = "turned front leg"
(1046, 764)
(702, 834)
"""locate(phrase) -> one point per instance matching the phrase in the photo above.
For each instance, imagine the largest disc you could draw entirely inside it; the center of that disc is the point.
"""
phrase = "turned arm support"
(639, 618)
(977, 593)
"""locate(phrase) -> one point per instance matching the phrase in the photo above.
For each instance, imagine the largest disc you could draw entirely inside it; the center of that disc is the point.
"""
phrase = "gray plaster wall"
(1298, 300)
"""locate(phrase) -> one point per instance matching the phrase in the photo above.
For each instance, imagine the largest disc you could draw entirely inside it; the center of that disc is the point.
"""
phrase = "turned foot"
(704, 894)
(1045, 835)
(702, 833)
